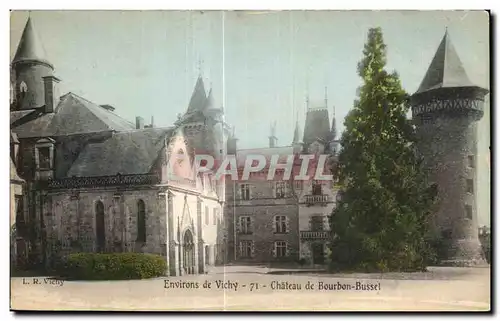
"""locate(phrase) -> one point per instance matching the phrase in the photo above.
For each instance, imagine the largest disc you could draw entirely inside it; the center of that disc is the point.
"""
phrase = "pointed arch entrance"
(188, 249)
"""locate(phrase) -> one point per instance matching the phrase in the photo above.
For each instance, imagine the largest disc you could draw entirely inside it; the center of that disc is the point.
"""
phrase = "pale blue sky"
(260, 66)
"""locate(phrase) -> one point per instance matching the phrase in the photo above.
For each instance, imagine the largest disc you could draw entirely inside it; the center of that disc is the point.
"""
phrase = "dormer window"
(44, 154)
(44, 158)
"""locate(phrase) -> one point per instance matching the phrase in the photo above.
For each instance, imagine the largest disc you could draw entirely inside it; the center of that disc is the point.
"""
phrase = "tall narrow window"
(280, 248)
(470, 160)
(215, 216)
(280, 189)
(245, 225)
(470, 186)
(207, 216)
(44, 158)
(468, 211)
(100, 227)
(246, 249)
(280, 224)
(316, 188)
(245, 191)
(141, 221)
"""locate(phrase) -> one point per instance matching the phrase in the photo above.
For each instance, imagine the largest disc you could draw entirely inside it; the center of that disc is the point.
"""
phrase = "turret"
(30, 67)
(446, 108)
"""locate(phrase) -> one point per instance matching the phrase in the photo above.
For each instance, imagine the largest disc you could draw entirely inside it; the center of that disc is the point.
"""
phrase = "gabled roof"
(131, 152)
(198, 98)
(446, 69)
(73, 115)
(317, 126)
(30, 47)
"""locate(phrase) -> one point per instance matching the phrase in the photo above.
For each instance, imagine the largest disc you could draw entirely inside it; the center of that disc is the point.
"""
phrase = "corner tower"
(29, 67)
(446, 109)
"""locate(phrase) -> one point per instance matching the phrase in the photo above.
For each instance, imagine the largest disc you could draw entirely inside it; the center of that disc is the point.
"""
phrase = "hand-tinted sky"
(260, 65)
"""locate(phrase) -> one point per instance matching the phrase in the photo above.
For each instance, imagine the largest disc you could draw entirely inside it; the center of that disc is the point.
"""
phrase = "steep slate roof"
(198, 98)
(317, 125)
(30, 47)
(296, 133)
(446, 69)
(72, 115)
(131, 152)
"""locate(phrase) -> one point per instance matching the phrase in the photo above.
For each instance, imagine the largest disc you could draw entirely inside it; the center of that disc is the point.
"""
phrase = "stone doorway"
(188, 253)
(318, 253)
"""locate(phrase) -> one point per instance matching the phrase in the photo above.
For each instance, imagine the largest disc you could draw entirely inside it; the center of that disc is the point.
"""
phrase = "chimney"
(231, 145)
(51, 93)
(139, 122)
(152, 121)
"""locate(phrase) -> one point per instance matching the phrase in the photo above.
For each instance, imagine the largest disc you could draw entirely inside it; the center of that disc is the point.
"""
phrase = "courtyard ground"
(254, 288)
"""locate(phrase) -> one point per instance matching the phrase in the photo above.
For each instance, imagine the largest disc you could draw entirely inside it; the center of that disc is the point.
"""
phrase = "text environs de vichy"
(298, 167)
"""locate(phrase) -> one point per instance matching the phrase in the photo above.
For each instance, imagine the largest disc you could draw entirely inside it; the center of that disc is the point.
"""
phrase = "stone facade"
(269, 221)
(97, 183)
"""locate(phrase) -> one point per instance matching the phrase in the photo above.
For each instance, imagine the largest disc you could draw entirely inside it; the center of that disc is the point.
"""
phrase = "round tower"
(30, 66)
(446, 109)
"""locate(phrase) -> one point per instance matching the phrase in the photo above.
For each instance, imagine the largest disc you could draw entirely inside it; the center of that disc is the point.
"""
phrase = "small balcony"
(316, 199)
(314, 235)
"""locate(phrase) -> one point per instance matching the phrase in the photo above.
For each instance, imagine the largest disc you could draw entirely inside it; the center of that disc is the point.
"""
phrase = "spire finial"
(200, 66)
(307, 101)
(326, 97)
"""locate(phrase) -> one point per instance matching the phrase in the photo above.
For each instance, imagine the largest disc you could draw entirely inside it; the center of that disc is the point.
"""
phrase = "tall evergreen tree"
(381, 221)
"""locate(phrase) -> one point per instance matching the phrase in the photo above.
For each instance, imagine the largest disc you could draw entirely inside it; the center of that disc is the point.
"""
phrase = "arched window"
(23, 87)
(100, 227)
(141, 221)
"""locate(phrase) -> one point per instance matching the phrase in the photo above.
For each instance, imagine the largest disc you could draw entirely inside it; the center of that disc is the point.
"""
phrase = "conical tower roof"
(210, 100)
(30, 47)
(199, 97)
(446, 69)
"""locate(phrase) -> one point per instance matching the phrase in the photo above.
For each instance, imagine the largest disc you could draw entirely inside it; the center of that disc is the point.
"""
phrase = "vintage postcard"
(250, 160)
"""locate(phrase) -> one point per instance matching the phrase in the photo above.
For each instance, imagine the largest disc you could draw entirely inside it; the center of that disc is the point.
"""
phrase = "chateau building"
(284, 220)
(94, 182)
(83, 179)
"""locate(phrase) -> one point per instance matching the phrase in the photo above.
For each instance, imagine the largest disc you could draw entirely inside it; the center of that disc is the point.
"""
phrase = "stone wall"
(71, 220)
(446, 144)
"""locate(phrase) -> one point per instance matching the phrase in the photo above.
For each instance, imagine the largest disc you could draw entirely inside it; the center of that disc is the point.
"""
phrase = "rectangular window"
(43, 158)
(245, 225)
(215, 216)
(280, 222)
(316, 188)
(468, 211)
(297, 185)
(280, 248)
(470, 160)
(245, 191)
(207, 216)
(280, 189)
(246, 249)
(317, 223)
(470, 186)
